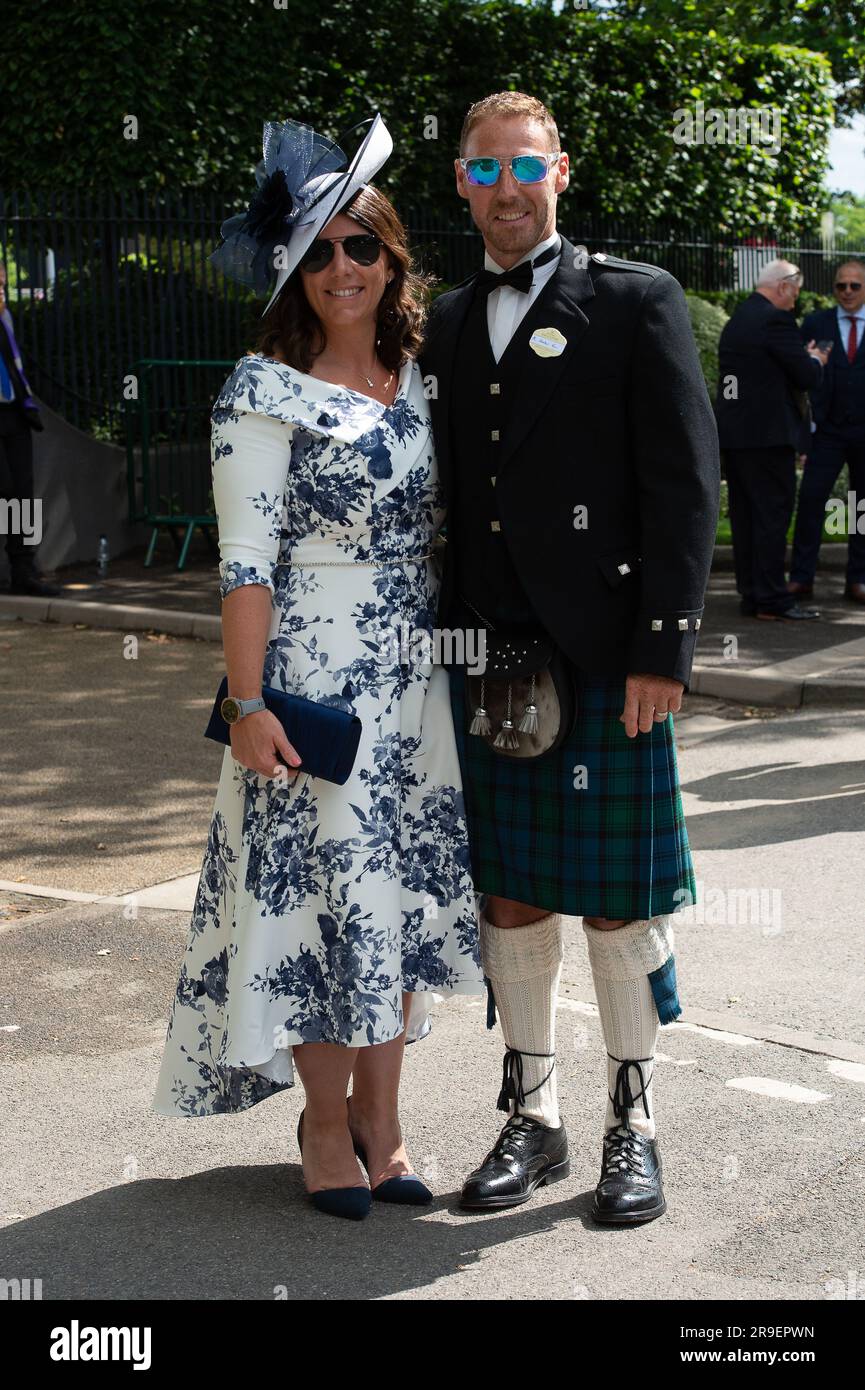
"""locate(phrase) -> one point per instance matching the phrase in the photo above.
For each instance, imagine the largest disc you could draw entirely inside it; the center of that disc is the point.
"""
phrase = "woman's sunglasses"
(363, 249)
(526, 168)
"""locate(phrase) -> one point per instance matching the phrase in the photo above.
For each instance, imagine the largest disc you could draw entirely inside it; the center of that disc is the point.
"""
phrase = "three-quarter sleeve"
(249, 457)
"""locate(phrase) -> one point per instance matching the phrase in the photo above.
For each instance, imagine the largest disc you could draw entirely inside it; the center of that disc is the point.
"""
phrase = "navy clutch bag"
(325, 737)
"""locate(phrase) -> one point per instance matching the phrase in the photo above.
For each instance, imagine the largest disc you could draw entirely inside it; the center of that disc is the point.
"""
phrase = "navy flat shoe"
(406, 1190)
(351, 1202)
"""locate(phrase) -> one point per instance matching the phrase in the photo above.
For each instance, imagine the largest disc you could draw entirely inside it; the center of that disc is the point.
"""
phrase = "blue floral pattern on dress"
(318, 906)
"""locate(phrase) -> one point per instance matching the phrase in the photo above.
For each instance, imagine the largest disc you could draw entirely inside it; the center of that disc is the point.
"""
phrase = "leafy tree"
(835, 28)
(166, 96)
(849, 211)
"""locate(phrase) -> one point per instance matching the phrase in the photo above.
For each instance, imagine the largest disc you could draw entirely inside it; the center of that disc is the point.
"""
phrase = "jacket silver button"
(624, 569)
(495, 526)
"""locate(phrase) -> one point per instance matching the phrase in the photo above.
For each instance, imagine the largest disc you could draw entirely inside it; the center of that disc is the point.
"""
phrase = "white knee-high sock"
(622, 958)
(524, 965)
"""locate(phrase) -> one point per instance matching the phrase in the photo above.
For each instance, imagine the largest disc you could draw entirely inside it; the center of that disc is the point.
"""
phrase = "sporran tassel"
(481, 722)
(506, 737)
(529, 722)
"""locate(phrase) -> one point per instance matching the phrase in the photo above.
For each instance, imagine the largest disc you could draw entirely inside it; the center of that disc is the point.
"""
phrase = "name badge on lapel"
(547, 342)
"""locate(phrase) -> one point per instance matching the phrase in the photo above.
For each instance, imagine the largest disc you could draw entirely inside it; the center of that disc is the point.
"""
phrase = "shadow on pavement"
(804, 800)
(248, 1233)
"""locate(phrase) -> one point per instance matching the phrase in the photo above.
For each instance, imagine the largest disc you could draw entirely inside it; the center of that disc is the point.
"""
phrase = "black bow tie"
(519, 276)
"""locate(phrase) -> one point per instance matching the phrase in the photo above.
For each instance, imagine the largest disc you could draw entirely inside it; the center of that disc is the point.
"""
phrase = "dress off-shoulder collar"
(387, 435)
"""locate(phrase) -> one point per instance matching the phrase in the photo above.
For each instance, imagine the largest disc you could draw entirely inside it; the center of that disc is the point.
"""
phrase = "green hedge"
(729, 300)
(707, 322)
(161, 95)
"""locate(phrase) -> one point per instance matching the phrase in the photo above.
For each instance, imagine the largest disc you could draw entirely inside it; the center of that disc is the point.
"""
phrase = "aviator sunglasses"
(364, 249)
(483, 172)
(848, 284)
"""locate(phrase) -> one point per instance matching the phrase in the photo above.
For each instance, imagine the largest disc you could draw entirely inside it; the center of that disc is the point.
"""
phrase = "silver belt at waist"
(316, 564)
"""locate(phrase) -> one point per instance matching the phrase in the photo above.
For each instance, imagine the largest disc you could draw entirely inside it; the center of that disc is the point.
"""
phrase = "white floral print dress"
(318, 905)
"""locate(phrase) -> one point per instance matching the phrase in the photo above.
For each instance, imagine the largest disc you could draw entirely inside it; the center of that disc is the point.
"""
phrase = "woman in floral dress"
(327, 916)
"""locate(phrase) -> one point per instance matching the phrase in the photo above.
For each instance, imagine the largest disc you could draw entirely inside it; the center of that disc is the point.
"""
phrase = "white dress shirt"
(844, 325)
(507, 307)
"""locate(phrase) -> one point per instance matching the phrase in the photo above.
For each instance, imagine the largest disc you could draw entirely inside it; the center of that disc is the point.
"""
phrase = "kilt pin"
(579, 455)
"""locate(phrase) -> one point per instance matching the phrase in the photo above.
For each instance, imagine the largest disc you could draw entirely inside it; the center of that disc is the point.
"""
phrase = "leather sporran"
(525, 703)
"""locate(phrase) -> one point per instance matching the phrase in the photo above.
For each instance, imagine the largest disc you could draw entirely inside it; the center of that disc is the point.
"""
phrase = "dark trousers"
(828, 453)
(761, 486)
(16, 483)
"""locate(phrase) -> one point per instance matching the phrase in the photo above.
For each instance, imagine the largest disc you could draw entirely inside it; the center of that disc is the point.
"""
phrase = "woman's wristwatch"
(232, 710)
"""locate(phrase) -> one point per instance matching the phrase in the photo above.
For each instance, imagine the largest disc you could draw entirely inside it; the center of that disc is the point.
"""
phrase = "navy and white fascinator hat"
(303, 181)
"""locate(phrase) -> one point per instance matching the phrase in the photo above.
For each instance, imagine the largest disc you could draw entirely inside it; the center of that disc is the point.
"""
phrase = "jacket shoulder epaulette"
(604, 261)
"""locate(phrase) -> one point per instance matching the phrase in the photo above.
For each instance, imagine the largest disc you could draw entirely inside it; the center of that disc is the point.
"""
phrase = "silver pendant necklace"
(371, 384)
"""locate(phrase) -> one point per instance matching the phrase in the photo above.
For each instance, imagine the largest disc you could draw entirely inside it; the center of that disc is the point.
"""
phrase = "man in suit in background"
(19, 414)
(839, 415)
(764, 371)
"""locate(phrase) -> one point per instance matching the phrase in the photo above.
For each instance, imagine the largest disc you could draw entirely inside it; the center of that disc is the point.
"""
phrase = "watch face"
(230, 710)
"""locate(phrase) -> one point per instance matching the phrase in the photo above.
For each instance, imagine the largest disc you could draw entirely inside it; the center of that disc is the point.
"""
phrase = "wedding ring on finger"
(659, 718)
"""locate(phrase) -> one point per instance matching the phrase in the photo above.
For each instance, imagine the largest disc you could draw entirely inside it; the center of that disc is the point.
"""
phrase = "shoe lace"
(512, 1139)
(622, 1152)
(512, 1078)
(623, 1099)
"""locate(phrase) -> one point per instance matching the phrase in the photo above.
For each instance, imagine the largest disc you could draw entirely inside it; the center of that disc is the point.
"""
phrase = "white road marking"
(733, 1039)
(780, 1090)
(848, 1071)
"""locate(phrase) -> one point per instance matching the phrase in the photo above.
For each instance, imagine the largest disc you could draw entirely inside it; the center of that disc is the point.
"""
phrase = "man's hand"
(821, 354)
(649, 699)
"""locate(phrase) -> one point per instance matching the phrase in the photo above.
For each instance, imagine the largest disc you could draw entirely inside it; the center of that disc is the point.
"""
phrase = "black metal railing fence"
(98, 281)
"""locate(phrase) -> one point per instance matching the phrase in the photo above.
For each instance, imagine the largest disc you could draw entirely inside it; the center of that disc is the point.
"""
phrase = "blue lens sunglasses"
(526, 168)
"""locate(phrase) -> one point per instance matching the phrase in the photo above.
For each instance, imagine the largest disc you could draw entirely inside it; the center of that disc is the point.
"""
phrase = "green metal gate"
(168, 448)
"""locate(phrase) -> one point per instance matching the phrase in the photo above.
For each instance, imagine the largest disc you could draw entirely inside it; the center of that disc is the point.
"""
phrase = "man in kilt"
(578, 452)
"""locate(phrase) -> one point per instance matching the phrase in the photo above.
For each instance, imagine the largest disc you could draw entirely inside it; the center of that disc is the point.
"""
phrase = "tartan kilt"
(615, 848)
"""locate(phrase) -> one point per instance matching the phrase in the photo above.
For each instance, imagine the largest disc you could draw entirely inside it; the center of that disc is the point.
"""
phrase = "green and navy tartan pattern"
(614, 847)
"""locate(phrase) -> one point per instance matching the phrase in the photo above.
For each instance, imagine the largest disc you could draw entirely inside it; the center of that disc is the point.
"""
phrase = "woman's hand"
(258, 740)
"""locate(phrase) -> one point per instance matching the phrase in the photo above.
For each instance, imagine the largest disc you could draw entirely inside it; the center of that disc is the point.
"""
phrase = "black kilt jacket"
(619, 423)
